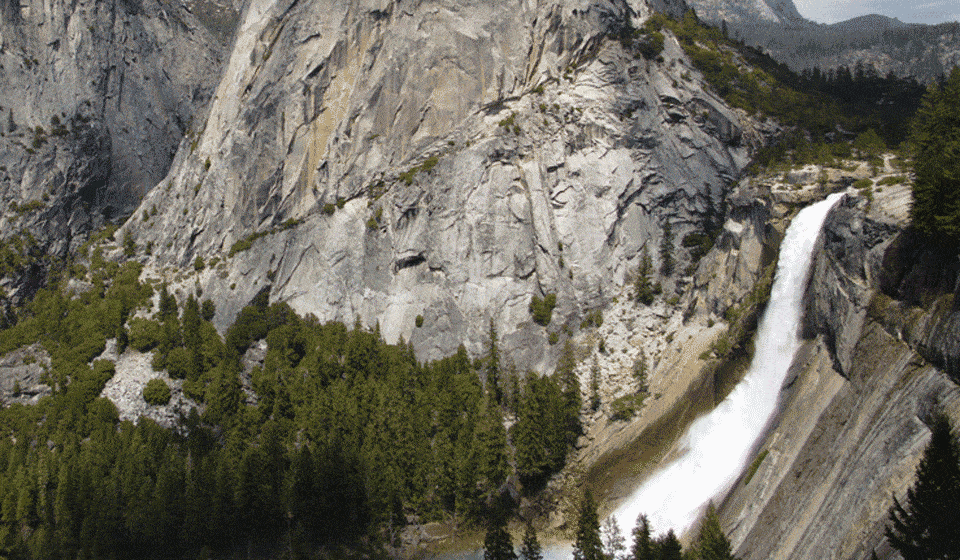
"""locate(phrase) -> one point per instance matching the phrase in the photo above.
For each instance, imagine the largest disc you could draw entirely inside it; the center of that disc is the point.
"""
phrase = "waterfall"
(716, 447)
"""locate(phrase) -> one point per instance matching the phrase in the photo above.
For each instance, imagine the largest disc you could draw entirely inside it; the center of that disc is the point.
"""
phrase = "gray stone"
(327, 109)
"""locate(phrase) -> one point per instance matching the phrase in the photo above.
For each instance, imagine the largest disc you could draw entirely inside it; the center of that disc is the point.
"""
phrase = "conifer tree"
(612, 537)
(539, 436)
(711, 543)
(927, 525)
(667, 262)
(643, 289)
(497, 544)
(570, 386)
(936, 144)
(588, 545)
(642, 548)
(490, 451)
(668, 547)
(530, 549)
(493, 364)
(594, 385)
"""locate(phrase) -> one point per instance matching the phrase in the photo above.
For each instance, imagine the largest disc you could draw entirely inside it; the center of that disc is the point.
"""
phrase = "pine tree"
(711, 543)
(643, 287)
(588, 545)
(613, 542)
(539, 436)
(570, 386)
(667, 262)
(668, 547)
(530, 549)
(642, 548)
(594, 385)
(936, 144)
(927, 525)
(490, 451)
(493, 364)
(497, 545)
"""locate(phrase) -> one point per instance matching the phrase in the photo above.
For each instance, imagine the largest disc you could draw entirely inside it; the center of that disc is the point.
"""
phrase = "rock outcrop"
(95, 98)
(383, 160)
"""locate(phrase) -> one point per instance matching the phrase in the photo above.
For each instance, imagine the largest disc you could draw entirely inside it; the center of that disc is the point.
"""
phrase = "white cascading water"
(717, 446)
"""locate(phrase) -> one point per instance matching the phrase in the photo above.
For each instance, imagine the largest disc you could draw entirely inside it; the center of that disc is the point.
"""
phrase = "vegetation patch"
(754, 466)
(156, 392)
(626, 407)
(425, 167)
(247, 242)
(542, 309)
(26, 207)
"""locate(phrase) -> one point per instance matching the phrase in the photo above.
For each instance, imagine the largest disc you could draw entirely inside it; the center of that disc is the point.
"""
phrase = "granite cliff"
(384, 161)
(95, 100)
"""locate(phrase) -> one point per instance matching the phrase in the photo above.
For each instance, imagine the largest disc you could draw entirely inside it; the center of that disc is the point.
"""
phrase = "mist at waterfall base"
(716, 447)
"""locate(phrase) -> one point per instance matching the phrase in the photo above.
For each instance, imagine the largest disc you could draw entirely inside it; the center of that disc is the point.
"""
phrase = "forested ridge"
(344, 438)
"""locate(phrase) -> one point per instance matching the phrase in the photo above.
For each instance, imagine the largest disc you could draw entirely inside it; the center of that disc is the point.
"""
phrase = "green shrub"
(156, 392)
(553, 338)
(178, 363)
(419, 321)
(754, 466)
(194, 390)
(650, 45)
(542, 309)
(593, 319)
(869, 144)
(427, 166)
(207, 310)
(625, 407)
(698, 243)
(144, 334)
(863, 184)
(892, 180)
(198, 263)
(240, 245)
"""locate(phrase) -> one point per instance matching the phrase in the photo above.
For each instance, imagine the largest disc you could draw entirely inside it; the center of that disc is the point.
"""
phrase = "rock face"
(852, 430)
(95, 97)
(21, 375)
(384, 160)
(889, 45)
(778, 12)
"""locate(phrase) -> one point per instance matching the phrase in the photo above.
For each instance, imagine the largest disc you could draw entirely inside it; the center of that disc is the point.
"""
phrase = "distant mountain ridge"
(887, 44)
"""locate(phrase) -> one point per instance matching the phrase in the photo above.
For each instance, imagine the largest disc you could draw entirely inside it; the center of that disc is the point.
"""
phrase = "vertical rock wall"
(387, 160)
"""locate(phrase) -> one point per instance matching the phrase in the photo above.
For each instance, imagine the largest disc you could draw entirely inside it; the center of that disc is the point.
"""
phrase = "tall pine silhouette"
(927, 524)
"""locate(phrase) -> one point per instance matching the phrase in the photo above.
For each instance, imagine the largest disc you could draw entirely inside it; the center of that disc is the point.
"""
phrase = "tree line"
(605, 541)
(339, 439)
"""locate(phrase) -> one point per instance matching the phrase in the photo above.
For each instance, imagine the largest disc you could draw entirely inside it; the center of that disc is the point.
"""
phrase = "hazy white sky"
(910, 11)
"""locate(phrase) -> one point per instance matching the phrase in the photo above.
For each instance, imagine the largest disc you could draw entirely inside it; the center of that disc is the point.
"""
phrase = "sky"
(909, 11)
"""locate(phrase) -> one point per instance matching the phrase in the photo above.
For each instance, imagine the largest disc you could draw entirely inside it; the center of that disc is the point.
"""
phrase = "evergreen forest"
(339, 438)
